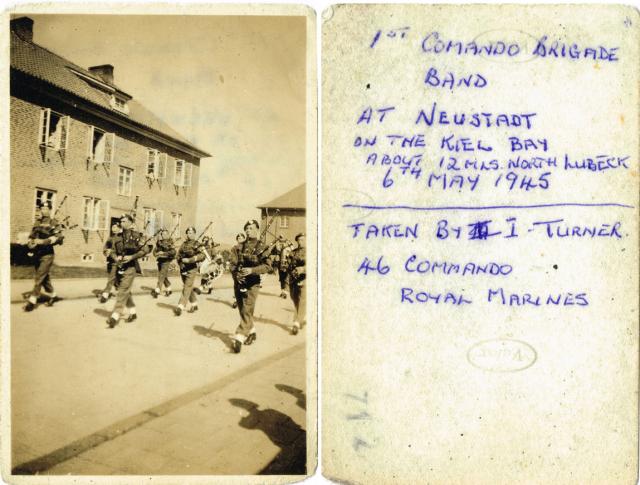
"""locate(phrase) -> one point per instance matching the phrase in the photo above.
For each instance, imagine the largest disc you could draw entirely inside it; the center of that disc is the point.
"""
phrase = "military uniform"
(46, 234)
(248, 254)
(297, 287)
(164, 253)
(129, 244)
(109, 251)
(192, 251)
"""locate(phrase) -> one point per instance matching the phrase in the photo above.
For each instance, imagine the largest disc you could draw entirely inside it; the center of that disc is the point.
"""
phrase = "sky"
(232, 85)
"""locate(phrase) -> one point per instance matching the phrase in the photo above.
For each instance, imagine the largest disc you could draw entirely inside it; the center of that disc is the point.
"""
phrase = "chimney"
(104, 72)
(23, 27)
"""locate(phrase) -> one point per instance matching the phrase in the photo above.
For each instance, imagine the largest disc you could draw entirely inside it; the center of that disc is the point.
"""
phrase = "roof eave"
(115, 117)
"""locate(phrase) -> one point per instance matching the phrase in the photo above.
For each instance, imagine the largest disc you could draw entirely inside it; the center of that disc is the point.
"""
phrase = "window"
(44, 195)
(153, 220)
(125, 181)
(54, 130)
(156, 164)
(95, 214)
(284, 222)
(101, 145)
(176, 220)
(182, 175)
(119, 104)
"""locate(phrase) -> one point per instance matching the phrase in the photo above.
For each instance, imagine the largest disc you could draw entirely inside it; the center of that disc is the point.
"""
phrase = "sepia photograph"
(160, 179)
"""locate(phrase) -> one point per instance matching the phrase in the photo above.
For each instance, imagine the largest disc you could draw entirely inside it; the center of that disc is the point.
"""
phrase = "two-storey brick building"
(288, 212)
(76, 134)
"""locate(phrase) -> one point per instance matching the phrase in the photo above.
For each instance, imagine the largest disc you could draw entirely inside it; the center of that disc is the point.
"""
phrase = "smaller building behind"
(287, 214)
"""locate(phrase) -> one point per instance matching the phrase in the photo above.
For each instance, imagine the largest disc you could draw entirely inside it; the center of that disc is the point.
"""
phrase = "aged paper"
(173, 115)
(480, 243)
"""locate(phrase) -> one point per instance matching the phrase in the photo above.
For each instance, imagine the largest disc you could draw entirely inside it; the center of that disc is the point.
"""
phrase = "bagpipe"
(162, 254)
(197, 246)
(64, 225)
(119, 262)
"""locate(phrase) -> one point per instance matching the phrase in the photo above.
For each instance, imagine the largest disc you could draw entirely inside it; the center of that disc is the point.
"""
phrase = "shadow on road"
(270, 321)
(295, 392)
(102, 312)
(166, 306)
(218, 300)
(283, 432)
(211, 333)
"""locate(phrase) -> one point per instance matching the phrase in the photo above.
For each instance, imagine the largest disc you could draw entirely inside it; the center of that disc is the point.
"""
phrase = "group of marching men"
(249, 259)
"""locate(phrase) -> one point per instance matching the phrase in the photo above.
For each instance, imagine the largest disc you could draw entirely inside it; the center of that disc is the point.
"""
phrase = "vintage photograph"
(161, 218)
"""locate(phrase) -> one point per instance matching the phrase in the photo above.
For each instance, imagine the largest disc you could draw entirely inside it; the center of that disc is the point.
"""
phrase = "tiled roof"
(38, 62)
(294, 199)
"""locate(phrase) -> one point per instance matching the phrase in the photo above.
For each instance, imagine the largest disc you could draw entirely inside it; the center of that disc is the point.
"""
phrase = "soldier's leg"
(131, 306)
(246, 307)
(194, 276)
(301, 308)
(42, 266)
(165, 273)
(294, 291)
(111, 281)
(282, 276)
(187, 287)
(124, 293)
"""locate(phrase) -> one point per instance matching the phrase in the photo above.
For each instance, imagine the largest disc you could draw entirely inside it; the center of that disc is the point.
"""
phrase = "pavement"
(162, 395)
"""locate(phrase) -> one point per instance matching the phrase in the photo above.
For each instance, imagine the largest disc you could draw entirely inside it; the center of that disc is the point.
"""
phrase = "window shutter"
(90, 143)
(162, 167)
(103, 215)
(45, 116)
(151, 163)
(87, 213)
(64, 133)
(178, 176)
(187, 174)
(109, 146)
(159, 220)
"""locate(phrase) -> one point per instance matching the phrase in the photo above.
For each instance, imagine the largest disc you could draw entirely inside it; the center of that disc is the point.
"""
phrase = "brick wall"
(69, 173)
(296, 224)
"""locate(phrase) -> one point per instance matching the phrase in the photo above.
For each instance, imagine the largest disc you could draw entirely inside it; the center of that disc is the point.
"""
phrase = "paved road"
(162, 395)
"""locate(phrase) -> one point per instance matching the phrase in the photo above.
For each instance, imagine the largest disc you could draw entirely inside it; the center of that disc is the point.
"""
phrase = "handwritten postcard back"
(480, 243)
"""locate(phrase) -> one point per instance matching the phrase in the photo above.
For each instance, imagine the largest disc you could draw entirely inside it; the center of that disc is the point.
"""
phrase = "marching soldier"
(248, 262)
(240, 239)
(46, 233)
(129, 249)
(164, 253)
(281, 253)
(297, 276)
(110, 253)
(189, 255)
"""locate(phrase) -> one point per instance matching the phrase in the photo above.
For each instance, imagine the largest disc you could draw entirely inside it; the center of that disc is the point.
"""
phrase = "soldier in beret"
(248, 261)
(165, 253)
(297, 276)
(46, 234)
(128, 250)
(189, 255)
(110, 254)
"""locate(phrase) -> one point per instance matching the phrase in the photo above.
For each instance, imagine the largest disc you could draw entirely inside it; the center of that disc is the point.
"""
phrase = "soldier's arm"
(234, 260)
